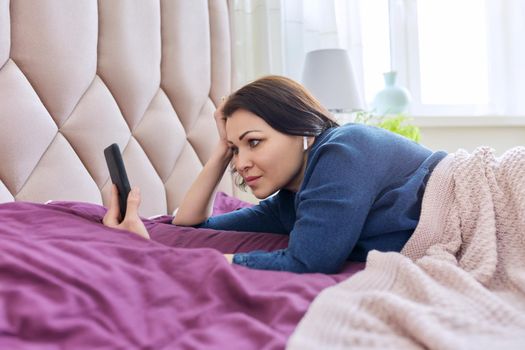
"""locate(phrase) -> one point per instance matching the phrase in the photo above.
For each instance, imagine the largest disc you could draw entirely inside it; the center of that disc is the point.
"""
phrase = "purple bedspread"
(68, 282)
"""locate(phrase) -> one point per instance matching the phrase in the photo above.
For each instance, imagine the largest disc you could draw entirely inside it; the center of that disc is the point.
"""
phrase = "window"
(438, 47)
(456, 57)
(375, 44)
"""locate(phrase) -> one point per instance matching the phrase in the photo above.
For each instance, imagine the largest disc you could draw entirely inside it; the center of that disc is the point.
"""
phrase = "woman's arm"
(196, 205)
(131, 221)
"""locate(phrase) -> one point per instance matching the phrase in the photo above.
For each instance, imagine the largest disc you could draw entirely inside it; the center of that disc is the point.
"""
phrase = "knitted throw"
(459, 282)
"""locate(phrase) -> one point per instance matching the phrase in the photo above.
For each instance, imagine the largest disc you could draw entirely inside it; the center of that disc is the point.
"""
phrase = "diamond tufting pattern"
(76, 76)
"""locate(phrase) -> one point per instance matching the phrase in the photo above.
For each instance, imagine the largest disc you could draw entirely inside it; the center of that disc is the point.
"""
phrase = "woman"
(338, 191)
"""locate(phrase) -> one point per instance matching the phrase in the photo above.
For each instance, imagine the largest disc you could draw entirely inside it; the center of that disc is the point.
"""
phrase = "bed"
(75, 77)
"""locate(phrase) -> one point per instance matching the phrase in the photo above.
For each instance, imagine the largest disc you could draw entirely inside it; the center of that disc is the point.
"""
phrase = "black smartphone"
(118, 175)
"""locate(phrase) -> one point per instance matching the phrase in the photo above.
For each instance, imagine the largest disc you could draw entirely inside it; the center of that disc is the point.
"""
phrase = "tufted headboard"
(76, 76)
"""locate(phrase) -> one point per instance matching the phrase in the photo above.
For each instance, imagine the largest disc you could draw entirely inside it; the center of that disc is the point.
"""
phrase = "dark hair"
(282, 103)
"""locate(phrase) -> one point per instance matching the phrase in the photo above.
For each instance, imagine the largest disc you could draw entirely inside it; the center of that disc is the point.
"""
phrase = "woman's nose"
(243, 162)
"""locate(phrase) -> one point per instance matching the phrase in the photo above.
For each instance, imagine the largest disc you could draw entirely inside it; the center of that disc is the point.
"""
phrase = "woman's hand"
(220, 121)
(132, 221)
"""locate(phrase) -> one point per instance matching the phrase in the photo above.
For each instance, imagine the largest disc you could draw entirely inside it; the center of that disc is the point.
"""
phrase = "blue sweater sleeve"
(263, 217)
(336, 196)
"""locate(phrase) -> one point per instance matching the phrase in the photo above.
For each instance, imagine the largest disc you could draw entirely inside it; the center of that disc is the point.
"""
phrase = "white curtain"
(257, 39)
(273, 37)
(507, 56)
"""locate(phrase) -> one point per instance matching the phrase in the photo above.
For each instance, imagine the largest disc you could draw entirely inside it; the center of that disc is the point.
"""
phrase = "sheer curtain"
(273, 37)
(257, 39)
(506, 56)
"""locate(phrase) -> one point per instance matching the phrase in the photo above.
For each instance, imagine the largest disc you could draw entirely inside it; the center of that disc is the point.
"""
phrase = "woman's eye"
(234, 150)
(253, 143)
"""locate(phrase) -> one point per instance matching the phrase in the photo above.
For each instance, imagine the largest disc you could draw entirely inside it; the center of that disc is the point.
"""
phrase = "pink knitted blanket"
(459, 283)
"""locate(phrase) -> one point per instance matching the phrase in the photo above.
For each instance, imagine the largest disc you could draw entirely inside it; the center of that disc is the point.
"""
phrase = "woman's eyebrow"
(246, 132)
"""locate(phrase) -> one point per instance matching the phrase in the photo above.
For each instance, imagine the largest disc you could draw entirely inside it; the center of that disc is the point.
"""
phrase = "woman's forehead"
(241, 121)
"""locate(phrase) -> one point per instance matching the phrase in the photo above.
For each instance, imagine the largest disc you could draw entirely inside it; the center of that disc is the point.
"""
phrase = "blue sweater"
(362, 190)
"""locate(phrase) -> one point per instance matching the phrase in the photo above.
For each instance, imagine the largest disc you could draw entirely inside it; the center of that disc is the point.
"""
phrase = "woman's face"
(267, 159)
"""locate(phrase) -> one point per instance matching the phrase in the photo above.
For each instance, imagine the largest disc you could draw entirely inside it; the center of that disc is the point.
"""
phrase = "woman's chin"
(259, 193)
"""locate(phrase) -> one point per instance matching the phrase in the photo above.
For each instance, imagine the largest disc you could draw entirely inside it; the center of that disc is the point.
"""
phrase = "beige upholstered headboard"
(76, 76)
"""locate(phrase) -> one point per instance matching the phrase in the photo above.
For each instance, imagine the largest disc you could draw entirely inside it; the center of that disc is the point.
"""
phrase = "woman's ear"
(307, 142)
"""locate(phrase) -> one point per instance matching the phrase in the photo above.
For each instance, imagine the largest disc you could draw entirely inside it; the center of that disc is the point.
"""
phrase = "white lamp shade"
(329, 76)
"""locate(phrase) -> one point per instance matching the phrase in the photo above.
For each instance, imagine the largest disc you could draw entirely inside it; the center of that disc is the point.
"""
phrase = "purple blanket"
(68, 282)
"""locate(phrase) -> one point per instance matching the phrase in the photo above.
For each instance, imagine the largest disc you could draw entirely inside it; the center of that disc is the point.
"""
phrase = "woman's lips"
(250, 180)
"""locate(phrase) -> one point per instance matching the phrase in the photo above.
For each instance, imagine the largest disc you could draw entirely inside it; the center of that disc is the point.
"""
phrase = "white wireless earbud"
(305, 143)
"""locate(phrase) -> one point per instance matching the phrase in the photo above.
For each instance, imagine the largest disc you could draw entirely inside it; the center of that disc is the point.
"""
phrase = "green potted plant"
(397, 123)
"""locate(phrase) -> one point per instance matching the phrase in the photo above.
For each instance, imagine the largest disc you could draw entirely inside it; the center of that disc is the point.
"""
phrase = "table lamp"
(329, 76)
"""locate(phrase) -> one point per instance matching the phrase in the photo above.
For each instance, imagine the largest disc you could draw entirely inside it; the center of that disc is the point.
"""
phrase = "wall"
(451, 133)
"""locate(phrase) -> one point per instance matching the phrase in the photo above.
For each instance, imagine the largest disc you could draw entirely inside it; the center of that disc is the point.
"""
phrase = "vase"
(393, 99)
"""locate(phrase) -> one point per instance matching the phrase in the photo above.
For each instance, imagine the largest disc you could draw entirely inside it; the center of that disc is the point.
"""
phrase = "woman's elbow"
(186, 223)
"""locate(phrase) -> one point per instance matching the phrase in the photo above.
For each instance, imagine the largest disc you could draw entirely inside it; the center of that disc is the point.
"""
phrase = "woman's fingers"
(220, 119)
(218, 112)
(132, 221)
(132, 210)
(113, 214)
